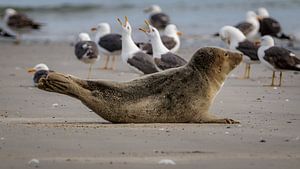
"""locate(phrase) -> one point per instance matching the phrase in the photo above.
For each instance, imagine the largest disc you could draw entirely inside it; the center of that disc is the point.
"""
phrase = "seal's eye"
(226, 54)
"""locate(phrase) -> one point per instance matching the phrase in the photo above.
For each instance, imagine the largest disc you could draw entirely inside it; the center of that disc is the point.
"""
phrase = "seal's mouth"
(236, 58)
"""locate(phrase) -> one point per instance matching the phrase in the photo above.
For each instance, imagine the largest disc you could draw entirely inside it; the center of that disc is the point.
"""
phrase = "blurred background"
(197, 19)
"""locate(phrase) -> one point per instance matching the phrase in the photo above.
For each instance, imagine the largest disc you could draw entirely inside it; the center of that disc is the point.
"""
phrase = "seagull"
(157, 18)
(163, 57)
(236, 40)
(250, 26)
(270, 26)
(276, 58)
(19, 21)
(170, 39)
(40, 70)
(16, 20)
(86, 50)
(110, 44)
(133, 56)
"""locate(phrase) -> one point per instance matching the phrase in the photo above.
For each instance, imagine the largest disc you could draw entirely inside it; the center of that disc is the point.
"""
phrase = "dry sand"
(61, 132)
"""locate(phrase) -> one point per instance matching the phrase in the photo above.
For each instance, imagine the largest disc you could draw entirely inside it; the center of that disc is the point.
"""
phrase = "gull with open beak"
(109, 44)
(163, 57)
(133, 56)
(170, 39)
(39, 71)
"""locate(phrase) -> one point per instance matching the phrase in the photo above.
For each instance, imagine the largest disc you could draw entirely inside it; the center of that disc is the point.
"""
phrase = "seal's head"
(215, 60)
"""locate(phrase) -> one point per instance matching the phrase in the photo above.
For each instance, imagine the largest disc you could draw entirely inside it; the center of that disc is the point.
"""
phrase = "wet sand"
(61, 132)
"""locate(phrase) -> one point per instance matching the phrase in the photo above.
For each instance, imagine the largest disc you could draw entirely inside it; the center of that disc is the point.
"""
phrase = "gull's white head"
(84, 37)
(231, 35)
(8, 13)
(153, 9)
(171, 30)
(251, 15)
(126, 28)
(38, 67)
(152, 32)
(263, 12)
(102, 28)
(267, 41)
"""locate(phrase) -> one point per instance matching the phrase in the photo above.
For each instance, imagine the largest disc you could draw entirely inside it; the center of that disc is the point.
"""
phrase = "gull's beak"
(31, 70)
(143, 30)
(93, 29)
(259, 18)
(126, 21)
(257, 43)
(147, 23)
(120, 22)
(179, 33)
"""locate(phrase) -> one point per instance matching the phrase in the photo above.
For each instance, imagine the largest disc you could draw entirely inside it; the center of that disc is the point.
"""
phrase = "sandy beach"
(61, 132)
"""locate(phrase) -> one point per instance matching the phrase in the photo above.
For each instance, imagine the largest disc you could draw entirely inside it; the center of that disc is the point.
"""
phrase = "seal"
(178, 95)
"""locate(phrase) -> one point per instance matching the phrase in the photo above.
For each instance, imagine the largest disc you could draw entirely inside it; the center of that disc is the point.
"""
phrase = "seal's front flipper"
(213, 119)
(222, 121)
(63, 84)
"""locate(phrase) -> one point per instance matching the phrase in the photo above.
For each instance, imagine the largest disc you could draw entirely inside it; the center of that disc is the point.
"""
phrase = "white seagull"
(163, 57)
(86, 50)
(110, 44)
(19, 22)
(250, 26)
(170, 39)
(39, 70)
(237, 41)
(133, 56)
(276, 58)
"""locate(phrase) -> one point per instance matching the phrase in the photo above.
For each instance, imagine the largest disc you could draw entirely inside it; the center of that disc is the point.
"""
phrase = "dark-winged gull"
(170, 39)
(236, 40)
(110, 44)
(157, 18)
(163, 57)
(250, 26)
(277, 59)
(19, 22)
(16, 20)
(270, 26)
(40, 70)
(86, 50)
(133, 56)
